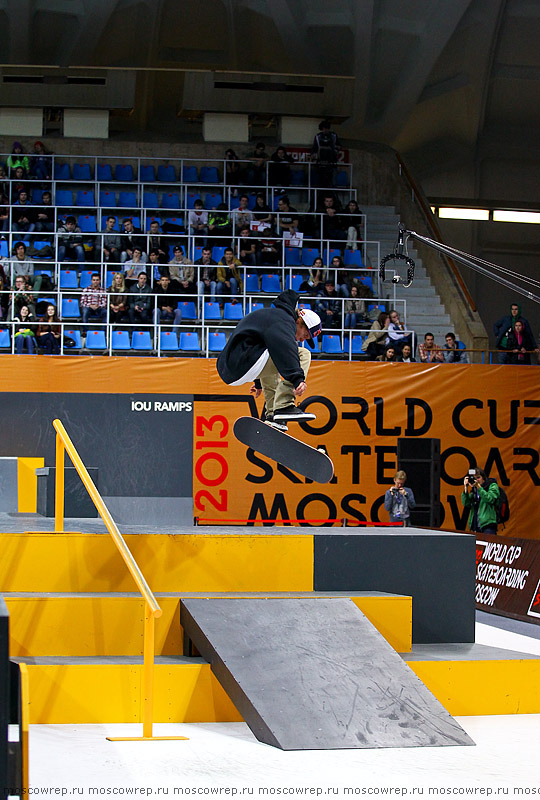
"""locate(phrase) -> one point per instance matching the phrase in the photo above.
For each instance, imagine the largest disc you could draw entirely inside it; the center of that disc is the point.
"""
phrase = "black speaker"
(421, 460)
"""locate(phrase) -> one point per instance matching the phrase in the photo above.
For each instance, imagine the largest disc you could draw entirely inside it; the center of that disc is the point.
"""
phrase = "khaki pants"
(278, 393)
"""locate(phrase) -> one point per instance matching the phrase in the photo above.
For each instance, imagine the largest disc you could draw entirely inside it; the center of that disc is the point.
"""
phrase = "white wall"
(86, 123)
(21, 122)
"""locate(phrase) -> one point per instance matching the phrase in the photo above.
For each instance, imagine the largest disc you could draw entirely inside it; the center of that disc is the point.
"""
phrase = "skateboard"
(284, 449)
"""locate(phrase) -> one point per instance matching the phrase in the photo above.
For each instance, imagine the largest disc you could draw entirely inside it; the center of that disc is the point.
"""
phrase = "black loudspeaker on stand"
(421, 460)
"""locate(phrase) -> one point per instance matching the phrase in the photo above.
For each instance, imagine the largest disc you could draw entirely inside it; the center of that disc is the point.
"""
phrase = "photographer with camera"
(481, 495)
(399, 499)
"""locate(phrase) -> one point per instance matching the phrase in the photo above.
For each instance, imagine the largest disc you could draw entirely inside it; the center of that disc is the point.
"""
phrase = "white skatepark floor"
(225, 759)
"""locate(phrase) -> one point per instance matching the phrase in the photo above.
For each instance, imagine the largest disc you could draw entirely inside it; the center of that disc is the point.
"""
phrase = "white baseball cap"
(311, 320)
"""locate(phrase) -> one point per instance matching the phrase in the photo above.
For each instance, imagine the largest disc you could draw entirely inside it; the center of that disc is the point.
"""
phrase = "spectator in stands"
(279, 168)
(389, 354)
(355, 309)
(428, 350)
(49, 332)
(22, 265)
(155, 268)
(134, 267)
(270, 251)
(158, 242)
(118, 299)
(519, 342)
(353, 223)
(328, 306)
(140, 301)
(206, 274)
(255, 173)
(406, 355)
(94, 300)
(342, 276)
(287, 217)
(332, 226)
(242, 215)
(247, 247)
(130, 239)
(232, 169)
(25, 332)
(325, 152)
(326, 200)
(18, 159)
(112, 242)
(4, 212)
(166, 309)
(317, 277)
(181, 272)
(396, 333)
(219, 224)
(229, 277)
(374, 343)
(18, 184)
(22, 297)
(41, 162)
(45, 219)
(262, 213)
(22, 215)
(504, 326)
(70, 240)
(4, 296)
(198, 221)
(454, 351)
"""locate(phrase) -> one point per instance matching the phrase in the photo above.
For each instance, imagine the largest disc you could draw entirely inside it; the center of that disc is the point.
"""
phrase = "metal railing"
(152, 609)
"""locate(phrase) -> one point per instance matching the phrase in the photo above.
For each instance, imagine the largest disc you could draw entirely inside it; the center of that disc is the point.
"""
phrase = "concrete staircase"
(424, 309)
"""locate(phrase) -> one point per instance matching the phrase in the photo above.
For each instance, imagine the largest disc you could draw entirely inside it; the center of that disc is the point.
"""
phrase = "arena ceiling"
(452, 78)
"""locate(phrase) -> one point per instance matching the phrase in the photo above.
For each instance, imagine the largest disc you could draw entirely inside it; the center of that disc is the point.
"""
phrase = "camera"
(396, 279)
(471, 477)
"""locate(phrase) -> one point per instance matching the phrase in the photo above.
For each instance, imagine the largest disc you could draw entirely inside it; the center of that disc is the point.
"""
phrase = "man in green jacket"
(481, 495)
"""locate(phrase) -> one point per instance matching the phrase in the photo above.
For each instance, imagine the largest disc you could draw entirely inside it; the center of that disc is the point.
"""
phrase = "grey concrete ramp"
(314, 673)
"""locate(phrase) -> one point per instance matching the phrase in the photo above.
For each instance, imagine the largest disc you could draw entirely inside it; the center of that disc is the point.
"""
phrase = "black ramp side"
(314, 673)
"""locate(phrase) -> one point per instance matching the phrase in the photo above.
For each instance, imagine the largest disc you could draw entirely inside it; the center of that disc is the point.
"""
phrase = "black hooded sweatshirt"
(272, 329)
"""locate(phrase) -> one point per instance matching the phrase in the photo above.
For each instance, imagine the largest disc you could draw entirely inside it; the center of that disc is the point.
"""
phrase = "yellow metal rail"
(152, 610)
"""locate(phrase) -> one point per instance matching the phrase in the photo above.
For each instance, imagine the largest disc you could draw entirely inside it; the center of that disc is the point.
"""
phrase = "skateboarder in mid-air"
(263, 347)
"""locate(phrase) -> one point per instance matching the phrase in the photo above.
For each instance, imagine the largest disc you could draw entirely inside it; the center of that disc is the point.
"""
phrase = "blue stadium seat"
(61, 172)
(252, 283)
(81, 172)
(197, 252)
(147, 173)
(209, 175)
(233, 311)
(212, 311)
(168, 340)
(295, 284)
(271, 283)
(305, 304)
(293, 257)
(106, 199)
(141, 340)
(342, 178)
(189, 174)
(190, 199)
(5, 340)
(85, 278)
(4, 249)
(70, 309)
(216, 341)
(120, 340)
(178, 223)
(212, 200)
(104, 173)
(95, 340)
(64, 197)
(123, 172)
(76, 336)
(299, 177)
(109, 278)
(87, 223)
(378, 306)
(330, 253)
(150, 200)
(353, 258)
(85, 198)
(166, 173)
(68, 279)
(37, 196)
(127, 200)
(170, 200)
(367, 281)
(257, 306)
(189, 342)
(188, 309)
(356, 344)
(309, 254)
(47, 272)
(217, 253)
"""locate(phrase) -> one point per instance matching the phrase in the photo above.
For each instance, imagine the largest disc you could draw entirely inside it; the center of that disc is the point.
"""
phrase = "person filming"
(481, 495)
(399, 500)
